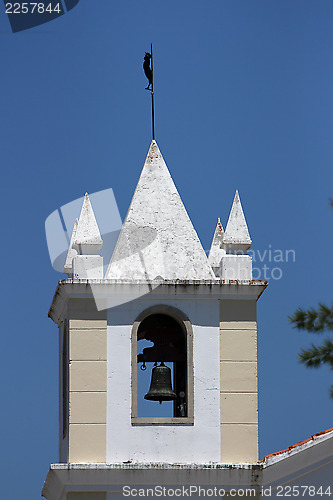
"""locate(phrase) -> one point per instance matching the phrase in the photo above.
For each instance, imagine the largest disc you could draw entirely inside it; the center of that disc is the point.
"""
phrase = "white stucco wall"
(198, 443)
(308, 464)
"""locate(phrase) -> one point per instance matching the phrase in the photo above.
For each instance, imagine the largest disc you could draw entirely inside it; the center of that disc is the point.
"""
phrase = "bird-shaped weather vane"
(148, 70)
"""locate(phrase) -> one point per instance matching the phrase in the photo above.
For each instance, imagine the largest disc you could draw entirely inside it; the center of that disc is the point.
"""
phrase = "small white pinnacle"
(71, 251)
(237, 233)
(88, 238)
(216, 252)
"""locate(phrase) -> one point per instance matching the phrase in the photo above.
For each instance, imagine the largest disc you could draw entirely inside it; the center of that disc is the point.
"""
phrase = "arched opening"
(161, 339)
(162, 333)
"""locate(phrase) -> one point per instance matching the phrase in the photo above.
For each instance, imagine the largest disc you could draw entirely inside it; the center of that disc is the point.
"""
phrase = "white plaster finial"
(236, 236)
(68, 268)
(216, 252)
(88, 238)
(158, 238)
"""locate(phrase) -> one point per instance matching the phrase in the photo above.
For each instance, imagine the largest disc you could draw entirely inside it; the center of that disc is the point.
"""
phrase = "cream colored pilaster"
(239, 388)
(87, 382)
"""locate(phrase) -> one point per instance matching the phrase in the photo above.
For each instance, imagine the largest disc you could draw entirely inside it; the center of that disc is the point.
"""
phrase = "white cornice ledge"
(95, 477)
(161, 289)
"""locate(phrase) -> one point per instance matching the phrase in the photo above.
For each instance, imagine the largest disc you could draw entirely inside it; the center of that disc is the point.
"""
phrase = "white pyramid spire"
(88, 238)
(216, 252)
(71, 251)
(236, 236)
(158, 238)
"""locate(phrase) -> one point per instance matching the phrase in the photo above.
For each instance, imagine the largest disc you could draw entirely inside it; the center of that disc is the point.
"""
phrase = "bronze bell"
(160, 386)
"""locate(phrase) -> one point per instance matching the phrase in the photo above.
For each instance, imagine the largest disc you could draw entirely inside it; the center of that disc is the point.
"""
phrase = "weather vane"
(148, 69)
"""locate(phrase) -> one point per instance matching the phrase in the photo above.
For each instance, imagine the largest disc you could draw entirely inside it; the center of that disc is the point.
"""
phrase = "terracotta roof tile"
(293, 446)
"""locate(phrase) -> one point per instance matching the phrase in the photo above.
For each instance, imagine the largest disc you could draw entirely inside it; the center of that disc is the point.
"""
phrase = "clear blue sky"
(243, 100)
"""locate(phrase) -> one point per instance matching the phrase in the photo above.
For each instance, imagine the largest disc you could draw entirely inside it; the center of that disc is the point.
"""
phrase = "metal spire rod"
(152, 94)
(148, 69)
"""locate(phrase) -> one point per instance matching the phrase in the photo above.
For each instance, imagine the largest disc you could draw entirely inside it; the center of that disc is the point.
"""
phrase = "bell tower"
(158, 358)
